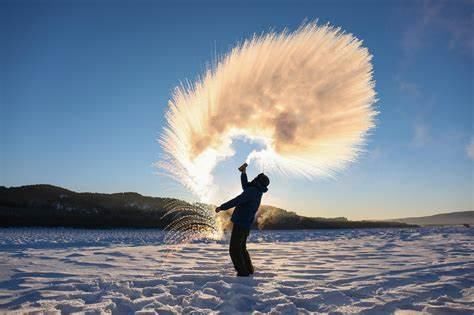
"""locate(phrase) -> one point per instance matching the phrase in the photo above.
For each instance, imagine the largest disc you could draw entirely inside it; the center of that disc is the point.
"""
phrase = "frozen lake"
(122, 271)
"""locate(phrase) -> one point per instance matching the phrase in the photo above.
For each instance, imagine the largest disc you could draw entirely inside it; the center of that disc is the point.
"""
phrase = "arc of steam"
(308, 95)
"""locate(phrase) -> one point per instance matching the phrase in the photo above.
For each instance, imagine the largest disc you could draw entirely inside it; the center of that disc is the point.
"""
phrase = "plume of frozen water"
(189, 222)
(307, 95)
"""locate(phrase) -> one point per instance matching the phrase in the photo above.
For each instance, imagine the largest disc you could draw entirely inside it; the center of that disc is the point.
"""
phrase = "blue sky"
(84, 87)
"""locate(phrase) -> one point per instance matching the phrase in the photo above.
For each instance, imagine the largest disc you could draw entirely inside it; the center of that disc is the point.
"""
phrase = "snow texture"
(123, 271)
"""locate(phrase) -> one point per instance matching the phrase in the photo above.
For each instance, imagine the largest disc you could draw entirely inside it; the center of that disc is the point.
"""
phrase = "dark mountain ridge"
(47, 205)
(451, 218)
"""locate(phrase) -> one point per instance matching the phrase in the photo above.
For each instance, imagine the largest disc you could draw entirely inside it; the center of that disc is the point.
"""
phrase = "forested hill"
(47, 205)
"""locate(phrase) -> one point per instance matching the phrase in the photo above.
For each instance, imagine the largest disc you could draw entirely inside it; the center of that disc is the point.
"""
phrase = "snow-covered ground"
(401, 271)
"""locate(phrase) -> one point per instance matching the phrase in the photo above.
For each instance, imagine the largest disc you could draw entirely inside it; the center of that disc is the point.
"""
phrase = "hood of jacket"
(256, 184)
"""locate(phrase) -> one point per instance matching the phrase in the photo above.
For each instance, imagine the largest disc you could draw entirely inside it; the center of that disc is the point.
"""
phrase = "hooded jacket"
(246, 204)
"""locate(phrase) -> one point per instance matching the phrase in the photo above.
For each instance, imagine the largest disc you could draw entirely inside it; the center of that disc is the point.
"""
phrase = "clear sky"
(84, 86)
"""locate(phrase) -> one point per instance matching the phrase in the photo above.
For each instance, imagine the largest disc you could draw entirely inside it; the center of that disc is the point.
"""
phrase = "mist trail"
(189, 222)
(306, 95)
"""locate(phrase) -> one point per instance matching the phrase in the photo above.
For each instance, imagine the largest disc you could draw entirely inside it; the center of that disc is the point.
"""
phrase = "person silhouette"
(246, 205)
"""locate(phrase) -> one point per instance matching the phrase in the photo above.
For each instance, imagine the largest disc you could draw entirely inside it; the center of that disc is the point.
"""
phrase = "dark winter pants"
(238, 251)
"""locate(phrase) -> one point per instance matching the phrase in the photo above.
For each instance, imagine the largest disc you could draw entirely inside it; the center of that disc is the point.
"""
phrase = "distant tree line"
(50, 206)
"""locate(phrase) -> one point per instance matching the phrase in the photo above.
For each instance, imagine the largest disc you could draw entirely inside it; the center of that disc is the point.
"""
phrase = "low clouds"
(421, 134)
(443, 18)
(470, 149)
(411, 89)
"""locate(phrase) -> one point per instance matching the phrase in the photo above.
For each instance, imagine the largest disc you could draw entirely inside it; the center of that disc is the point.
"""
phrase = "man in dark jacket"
(246, 205)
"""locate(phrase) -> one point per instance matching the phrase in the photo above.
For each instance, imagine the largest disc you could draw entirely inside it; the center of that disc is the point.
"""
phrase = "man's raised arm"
(243, 180)
(243, 176)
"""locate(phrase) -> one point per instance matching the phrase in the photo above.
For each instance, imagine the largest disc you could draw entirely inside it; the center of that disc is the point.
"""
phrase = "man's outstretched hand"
(243, 167)
(218, 209)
